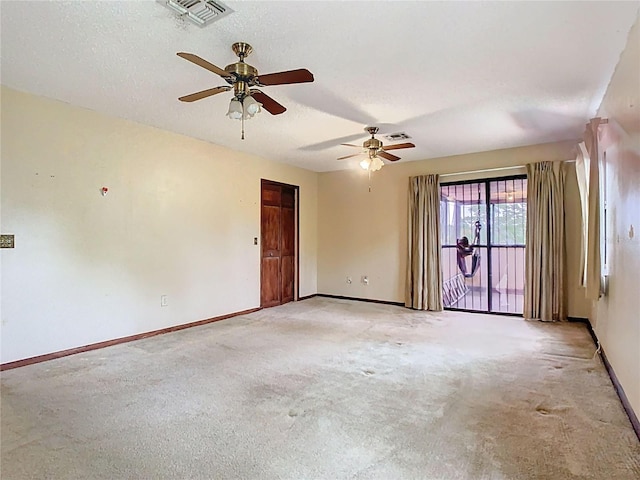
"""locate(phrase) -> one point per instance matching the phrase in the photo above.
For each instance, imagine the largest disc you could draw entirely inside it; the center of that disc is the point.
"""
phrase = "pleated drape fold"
(544, 292)
(423, 290)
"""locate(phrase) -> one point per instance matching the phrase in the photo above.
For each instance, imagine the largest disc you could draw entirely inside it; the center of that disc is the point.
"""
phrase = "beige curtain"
(593, 275)
(545, 255)
(423, 289)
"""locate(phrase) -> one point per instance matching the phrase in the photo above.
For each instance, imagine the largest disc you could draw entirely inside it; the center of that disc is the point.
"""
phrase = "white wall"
(179, 220)
(617, 315)
(365, 233)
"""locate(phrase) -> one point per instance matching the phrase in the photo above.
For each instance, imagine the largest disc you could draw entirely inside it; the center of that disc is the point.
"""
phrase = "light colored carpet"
(325, 389)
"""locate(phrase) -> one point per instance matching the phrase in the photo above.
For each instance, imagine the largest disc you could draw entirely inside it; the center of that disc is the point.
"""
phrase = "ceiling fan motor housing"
(372, 144)
(241, 70)
(242, 75)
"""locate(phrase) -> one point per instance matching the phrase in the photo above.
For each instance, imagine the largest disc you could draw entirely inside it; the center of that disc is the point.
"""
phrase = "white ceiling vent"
(392, 137)
(200, 12)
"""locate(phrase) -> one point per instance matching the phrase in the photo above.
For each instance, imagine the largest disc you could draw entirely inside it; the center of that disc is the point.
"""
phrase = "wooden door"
(278, 269)
(288, 244)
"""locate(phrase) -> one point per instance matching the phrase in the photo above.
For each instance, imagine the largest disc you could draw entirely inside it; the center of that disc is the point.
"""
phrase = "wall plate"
(7, 241)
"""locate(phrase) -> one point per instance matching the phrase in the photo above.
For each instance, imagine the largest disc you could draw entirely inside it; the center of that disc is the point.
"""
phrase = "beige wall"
(364, 233)
(617, 315)
(179, 220)
(577, 305)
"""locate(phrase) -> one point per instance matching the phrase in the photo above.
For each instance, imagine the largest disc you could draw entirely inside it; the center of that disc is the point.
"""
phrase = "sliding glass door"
(483, 242)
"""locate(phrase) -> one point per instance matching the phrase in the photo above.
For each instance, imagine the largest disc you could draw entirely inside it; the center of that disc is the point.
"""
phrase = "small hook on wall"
(104, 191)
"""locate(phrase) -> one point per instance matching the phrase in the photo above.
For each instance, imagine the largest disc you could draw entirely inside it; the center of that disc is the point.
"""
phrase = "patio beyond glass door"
(483, 225)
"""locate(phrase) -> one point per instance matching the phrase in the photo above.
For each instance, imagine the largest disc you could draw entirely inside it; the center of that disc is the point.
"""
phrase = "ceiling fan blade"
(203, 94)
(349, 156)
(399, 145)
(268, 103)
(302, 75)
(388, 156)
(201, 62)
(351, 145)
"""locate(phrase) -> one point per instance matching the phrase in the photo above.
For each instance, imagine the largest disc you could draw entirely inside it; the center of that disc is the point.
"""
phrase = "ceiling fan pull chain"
(242, 137)
(369, 181)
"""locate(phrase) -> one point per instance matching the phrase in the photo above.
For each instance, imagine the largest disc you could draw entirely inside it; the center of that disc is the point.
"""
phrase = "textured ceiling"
(458, 77)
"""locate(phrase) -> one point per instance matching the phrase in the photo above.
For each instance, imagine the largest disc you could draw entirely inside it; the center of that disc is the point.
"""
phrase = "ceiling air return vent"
(200, 12)
(392, 137)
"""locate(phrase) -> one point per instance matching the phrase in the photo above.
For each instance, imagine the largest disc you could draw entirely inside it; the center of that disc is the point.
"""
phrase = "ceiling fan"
(242, 77)
(374, 148)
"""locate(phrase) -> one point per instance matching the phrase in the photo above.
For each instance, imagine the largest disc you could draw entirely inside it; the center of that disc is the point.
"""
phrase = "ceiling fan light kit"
(372, 164)
(242, 77)
(243, 109)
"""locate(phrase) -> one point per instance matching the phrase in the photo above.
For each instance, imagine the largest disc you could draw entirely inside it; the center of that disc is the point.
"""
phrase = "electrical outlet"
(349, 280)
(365, 280)
(164, 301)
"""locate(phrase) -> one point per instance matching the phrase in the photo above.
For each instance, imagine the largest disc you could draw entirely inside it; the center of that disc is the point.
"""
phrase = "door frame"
(296, 189)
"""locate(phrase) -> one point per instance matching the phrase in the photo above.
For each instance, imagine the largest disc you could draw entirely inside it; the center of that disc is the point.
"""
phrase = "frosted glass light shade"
(235, 109)
(251, 107)
(376, 164)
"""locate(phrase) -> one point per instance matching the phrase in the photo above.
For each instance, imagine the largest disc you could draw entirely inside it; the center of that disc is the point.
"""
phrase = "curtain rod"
(482, 171)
